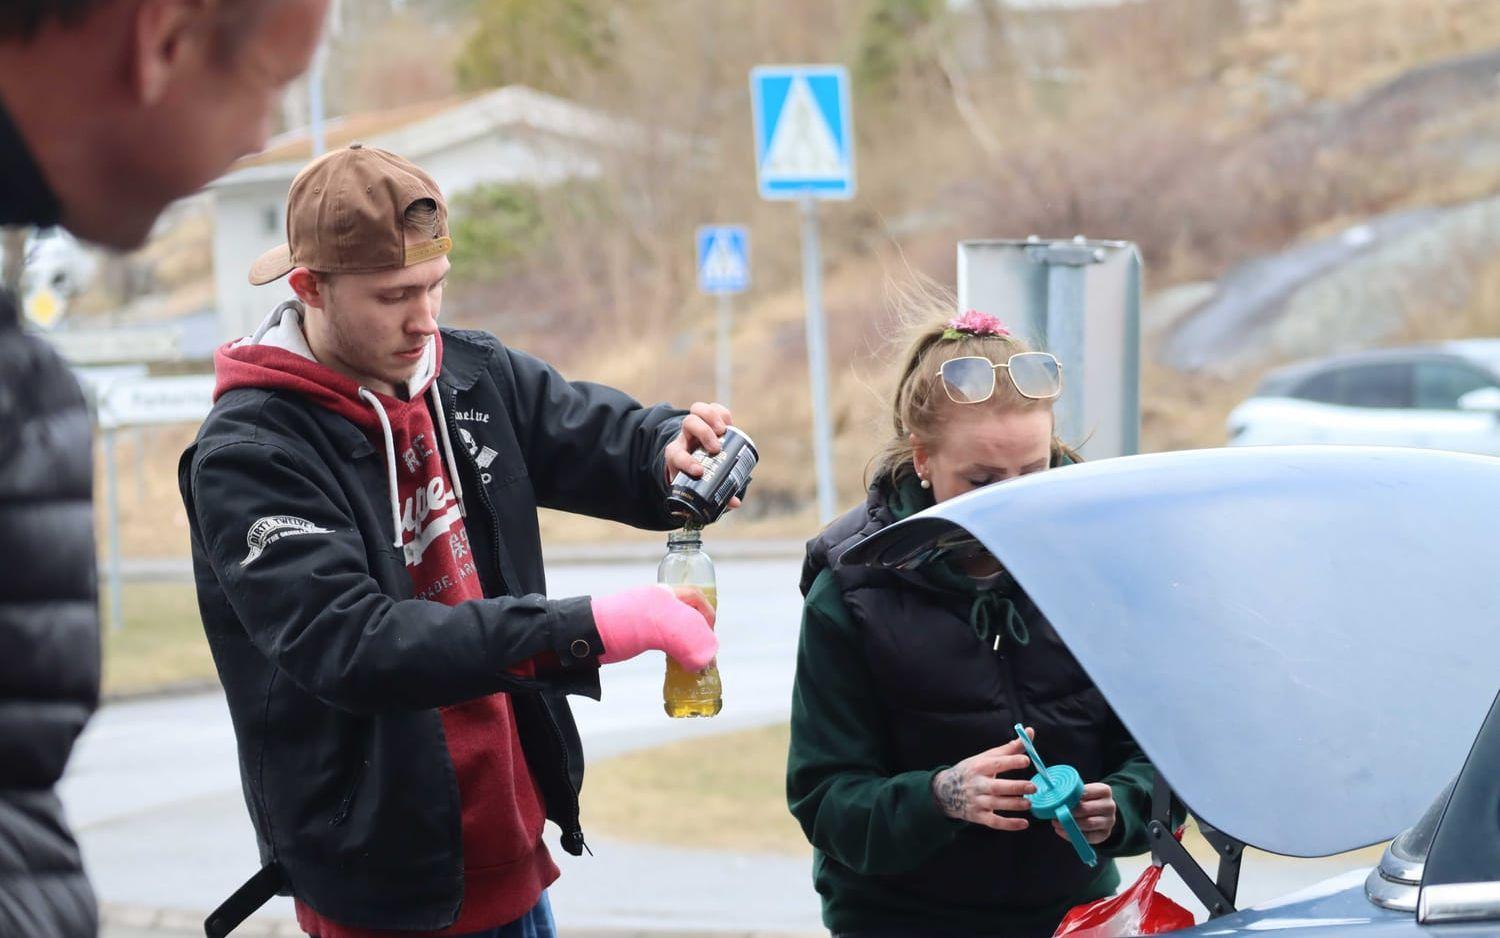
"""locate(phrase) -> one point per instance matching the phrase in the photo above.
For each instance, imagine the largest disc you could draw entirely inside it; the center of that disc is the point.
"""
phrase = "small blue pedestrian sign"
(723, 259)
(804, 135)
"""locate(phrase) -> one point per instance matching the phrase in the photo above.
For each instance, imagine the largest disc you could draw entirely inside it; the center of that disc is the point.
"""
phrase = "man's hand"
(701, 429)
(970, 791)
(1095, 814)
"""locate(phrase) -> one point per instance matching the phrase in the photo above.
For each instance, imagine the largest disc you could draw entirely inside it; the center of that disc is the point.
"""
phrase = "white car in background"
(1441, 396)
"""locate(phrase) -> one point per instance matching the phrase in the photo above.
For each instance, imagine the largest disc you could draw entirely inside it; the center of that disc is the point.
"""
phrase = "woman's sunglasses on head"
(971, 379)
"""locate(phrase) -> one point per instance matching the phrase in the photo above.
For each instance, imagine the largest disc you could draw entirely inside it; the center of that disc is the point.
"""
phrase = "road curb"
(173, 922)
(165, 692)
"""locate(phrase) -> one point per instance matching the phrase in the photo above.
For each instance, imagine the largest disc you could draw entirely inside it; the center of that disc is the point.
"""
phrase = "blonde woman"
(903, 770)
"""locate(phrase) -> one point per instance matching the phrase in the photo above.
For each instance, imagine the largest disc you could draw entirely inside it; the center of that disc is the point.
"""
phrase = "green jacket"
(870, 822)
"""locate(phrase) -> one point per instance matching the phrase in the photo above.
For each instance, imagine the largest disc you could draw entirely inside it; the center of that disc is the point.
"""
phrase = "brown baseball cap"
(346, 214)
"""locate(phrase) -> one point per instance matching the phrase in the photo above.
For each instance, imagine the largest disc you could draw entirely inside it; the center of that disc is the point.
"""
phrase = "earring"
(926, 483)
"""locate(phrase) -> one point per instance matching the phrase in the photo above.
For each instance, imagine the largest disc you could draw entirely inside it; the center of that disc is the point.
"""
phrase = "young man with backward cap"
(363, 503)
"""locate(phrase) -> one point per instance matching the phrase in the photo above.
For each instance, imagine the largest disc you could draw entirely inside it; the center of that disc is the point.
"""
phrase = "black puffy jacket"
(49, 632)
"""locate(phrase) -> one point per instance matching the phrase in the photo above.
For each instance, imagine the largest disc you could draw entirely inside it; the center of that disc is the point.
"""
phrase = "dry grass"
(1338, 48)
(724, 792)
(153, 522)
(1478, 315)
(736, 787)
(161, 644)
(1180, 411)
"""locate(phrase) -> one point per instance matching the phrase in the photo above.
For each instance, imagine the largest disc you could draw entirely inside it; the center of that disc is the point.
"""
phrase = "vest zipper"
(1012, 691)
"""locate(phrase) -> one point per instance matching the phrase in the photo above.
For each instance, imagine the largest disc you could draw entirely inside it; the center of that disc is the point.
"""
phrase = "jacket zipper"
(1012, 691)
(343, 812)
(484, 496)
(573, 838)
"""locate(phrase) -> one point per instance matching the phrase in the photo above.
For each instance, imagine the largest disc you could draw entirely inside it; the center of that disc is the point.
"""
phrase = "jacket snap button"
(580, 648)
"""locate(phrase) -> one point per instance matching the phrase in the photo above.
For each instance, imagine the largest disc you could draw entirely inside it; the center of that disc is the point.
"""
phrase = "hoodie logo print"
(269, 530)
(435, 496)
(416, 453)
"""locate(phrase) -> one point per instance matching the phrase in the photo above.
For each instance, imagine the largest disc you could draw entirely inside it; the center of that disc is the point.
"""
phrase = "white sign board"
(145, 401)
(108, 346)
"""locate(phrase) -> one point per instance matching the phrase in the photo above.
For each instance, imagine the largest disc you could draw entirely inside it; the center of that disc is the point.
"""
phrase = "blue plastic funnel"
(1058, 791)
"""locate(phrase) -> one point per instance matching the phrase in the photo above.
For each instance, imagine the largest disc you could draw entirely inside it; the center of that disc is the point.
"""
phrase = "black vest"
(948, 695)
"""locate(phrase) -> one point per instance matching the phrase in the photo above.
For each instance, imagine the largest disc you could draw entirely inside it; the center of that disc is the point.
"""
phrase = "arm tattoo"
(950, 794)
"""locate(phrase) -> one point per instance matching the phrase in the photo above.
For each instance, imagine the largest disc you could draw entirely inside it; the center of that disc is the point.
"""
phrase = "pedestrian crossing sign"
(723, 259)
(804, 141)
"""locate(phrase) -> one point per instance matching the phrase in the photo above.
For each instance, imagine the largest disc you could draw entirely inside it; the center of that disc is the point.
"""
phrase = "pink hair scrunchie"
(974, 323)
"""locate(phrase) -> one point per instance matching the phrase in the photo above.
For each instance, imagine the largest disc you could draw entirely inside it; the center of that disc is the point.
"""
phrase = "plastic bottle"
(687, 693)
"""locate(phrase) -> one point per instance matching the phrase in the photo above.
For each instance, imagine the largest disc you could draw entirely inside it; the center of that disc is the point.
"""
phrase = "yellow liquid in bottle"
(694, 694)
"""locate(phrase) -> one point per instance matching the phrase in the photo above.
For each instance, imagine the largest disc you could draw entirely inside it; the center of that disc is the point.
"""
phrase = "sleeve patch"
(269, 530)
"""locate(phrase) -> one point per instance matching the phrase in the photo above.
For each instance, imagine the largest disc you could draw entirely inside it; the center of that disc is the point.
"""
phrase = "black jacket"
(334, 673)
(49, 631)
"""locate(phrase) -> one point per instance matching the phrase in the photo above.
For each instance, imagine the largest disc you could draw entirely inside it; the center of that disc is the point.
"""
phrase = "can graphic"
(701, 501)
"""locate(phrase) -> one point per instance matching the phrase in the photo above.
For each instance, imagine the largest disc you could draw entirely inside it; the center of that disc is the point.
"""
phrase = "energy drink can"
(701, 501)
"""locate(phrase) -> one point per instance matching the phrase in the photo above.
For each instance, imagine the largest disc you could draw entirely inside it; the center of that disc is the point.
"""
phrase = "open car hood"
(1304, 640)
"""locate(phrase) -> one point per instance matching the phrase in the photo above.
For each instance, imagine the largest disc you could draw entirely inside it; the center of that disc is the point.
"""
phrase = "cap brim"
(272, 265)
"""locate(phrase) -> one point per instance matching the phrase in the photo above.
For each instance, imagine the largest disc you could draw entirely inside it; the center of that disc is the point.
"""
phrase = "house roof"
(420, 129)
(296, 146)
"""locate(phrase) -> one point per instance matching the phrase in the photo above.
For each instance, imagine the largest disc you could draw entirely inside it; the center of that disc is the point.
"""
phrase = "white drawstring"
(442, 422)
(390, 459)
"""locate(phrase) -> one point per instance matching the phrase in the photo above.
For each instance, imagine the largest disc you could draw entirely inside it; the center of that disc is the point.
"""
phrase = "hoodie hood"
(277, 357)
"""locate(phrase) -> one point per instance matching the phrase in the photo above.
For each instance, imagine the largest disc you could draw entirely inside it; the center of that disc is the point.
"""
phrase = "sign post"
(804, 151)
(723, 270)
(817, 361)
(112, 500)
(140, 402)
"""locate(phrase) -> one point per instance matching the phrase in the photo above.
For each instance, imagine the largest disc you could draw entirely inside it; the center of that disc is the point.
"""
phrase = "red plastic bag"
(1138, 910)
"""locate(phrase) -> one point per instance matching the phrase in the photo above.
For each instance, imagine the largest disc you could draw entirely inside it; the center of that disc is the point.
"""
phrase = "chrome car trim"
(1401, 869)
(1391, 894)
(1459, 902)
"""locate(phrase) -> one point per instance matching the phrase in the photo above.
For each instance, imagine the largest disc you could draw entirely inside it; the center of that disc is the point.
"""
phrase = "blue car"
(1305, 641)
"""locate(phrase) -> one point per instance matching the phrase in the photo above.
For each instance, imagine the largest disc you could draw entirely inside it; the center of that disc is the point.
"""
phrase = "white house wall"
(248, 220)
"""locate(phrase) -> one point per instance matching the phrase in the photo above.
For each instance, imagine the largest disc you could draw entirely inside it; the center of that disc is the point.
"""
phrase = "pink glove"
(678, 622)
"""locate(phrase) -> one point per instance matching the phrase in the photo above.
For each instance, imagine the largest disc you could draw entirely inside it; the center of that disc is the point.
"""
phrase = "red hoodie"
(506, 865)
